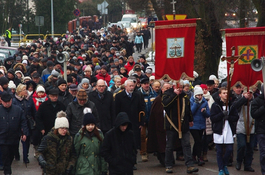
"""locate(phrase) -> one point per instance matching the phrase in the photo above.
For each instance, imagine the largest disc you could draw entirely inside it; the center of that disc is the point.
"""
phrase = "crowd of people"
(110, 106)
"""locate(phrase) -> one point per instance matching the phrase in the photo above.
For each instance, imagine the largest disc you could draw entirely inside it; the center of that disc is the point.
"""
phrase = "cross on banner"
(248, 54)
(231, 60)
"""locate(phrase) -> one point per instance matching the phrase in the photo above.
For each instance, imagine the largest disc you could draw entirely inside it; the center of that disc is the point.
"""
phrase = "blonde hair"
(20, 87)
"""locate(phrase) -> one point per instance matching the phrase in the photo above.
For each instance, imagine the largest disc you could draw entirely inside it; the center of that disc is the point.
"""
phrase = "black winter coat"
(75, 115)
(258, 113)
(105, 109)
(12, 120)
(170, 103)
(132, 106)
(119, 149)
(217, 117)
(65, 97)
(46, 115)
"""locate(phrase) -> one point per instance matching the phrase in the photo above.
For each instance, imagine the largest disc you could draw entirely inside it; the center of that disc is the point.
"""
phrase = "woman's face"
(90, 127)
(199, 96)
(18, 75)
(62, 131)
(85, 85)
(40, 94)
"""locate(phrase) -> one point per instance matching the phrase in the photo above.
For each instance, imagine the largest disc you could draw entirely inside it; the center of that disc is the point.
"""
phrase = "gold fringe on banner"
(183, 76)
(245, 34)
(176, 26)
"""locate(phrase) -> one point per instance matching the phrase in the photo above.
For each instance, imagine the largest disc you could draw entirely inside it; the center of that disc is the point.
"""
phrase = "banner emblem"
(249, 53)
(175, 47)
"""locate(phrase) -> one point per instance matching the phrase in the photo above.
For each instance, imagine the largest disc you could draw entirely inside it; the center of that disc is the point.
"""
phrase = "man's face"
(130, 87)
(223, 95)
(81, 102)
(73, 92)
(156, 86)
(101, 86)
(123, 127)
(7, 104)
(10, 76)
(62, 87)
(237, 90)
(53, 97)
(103, 71)
(165, 87)
(36, 80)
(145, 86)
(210, 87)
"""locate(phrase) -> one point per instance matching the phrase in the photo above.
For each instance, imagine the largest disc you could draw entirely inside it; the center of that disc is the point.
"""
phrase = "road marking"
(212, 170)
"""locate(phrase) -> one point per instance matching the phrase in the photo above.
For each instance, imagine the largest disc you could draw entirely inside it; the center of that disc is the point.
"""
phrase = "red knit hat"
(203, 86)
(123, 80)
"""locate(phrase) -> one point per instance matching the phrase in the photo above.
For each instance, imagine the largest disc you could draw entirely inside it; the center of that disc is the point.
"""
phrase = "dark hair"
(222, 89)
(95, 131)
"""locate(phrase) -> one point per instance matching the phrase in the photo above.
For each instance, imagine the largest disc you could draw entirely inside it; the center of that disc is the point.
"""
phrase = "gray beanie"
(55, 73)
(84, 80)
(97, 67)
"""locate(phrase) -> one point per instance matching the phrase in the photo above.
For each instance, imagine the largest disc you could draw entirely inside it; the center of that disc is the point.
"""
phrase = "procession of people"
(111, 107)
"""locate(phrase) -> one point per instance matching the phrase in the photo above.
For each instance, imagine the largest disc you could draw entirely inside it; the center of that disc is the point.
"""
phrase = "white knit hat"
(40, 89)
(61, 121)
(25, 57)
(212, 77)
(198, 91)
(24, 62)
(11, 85)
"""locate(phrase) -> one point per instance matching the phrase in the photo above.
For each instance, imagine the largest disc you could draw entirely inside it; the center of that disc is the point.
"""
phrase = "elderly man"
(12, 122)
(103, 100)
(75, 111)
(133, 104)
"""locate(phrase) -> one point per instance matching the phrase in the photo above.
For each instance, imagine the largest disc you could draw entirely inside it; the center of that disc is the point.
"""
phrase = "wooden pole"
(247, 129)
(179, 120)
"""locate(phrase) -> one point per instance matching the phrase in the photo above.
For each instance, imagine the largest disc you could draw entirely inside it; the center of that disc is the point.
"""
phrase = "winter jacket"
(105, 77)
(27, 107)
(58, 152)
(139, 39)
(129, 66)
(75, 115)
(217, 117)
(12, 121)
(258, 113)
(148, 99)
(170, 104)
(199, 117)
(118, 148)
(65, 97)
(89, 160)
(46, 115)
(49, 84)
(105, 109)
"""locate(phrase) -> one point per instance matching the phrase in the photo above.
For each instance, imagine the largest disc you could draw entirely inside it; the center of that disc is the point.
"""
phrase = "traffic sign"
(151, 19)
(77, 12)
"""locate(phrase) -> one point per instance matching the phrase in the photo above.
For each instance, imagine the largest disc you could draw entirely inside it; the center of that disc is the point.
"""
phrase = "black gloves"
(42, 162)
(196, 100)
(69, 170)
(225, 115)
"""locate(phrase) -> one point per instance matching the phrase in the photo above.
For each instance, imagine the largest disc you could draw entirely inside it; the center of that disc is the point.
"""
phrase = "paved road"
(152, 167)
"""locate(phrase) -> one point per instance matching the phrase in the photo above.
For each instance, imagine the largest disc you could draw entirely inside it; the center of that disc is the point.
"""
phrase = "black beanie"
(11, 71)
(3, 81)
(61, 81)
(89, 118)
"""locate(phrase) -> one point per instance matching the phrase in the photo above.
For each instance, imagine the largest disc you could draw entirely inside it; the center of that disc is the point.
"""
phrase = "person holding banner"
(178, 119)
(245, 131)
(224, 127)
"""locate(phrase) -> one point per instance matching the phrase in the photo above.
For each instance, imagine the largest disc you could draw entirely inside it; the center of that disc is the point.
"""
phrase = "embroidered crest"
(175, 47)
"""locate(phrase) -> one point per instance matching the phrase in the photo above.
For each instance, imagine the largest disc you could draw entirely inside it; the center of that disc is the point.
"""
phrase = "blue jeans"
(261, 141)
(172, 137)
(244, 149)
(223, 158)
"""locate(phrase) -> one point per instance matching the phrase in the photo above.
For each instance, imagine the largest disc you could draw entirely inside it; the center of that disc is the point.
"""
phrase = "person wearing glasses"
(56, 153)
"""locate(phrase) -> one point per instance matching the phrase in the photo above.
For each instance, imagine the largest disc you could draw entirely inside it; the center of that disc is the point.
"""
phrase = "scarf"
(20, 98)
(40, 100)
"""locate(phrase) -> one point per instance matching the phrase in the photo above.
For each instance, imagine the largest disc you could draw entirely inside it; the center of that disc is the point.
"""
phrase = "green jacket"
(58, 152)
(89, 161)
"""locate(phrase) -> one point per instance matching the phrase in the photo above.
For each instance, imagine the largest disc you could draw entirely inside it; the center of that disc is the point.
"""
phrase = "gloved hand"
(197, 100)
(69, 170)
(104, 173)
(225, 115)
(42, 162)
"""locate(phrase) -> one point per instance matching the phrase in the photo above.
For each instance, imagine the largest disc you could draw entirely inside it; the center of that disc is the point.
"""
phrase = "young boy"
(224, 128)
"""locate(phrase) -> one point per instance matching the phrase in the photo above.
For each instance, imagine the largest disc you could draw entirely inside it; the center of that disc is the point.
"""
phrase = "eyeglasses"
(101, 86)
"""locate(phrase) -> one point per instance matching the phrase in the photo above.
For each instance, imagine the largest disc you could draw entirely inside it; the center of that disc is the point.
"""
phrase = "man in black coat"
(12, 122)
(118, 148)
(258, 113)
(46, 114)
(133, 104)
(64, 95)
(103, 100)
(177, 104)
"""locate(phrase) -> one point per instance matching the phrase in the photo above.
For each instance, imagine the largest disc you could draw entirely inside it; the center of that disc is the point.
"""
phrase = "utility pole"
(52, 26)
(174, 10)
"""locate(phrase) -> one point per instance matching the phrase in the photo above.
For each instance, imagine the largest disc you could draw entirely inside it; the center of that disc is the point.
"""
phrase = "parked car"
(117, 24)
(11, 50)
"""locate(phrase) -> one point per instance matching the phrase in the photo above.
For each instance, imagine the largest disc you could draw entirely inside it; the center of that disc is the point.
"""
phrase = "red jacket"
(105, 77)
(37, 102)
(129, 67)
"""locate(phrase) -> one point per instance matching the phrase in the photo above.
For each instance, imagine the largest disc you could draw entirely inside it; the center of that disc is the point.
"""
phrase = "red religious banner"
(248, 42)
(174, 48)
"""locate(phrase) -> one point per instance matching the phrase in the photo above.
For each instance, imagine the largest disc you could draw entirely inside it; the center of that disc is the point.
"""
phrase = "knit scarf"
(40, 100)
